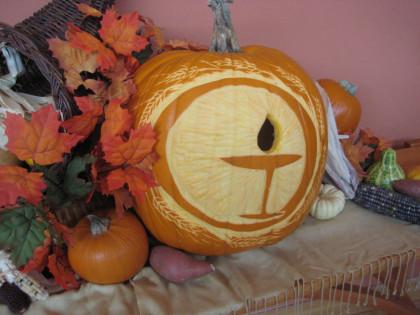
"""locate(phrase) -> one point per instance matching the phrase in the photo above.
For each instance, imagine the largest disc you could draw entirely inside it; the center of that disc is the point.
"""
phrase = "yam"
(409, 187)
(177, 266)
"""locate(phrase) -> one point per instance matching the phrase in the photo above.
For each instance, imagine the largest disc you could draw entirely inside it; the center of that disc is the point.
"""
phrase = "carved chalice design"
(268, 163)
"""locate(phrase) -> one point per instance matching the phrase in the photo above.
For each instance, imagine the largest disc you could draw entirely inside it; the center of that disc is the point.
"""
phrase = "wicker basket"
(388, 202)
(42, 74)
(30, 38)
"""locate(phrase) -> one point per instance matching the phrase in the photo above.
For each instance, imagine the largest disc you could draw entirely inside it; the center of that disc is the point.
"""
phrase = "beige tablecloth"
(318, 249)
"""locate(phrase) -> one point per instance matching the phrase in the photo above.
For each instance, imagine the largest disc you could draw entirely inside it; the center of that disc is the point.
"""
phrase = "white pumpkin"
(329, 203)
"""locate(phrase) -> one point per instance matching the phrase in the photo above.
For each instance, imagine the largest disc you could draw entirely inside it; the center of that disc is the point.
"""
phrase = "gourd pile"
(216, 151)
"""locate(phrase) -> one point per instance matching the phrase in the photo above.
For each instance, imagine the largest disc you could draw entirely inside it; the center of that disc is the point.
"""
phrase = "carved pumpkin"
(242, 146)
(346, 107)
(108, 249)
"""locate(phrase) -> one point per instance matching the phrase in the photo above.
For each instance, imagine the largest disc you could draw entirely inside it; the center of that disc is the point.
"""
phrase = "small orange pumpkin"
(108, 250)
(346, 107)
(241, 141)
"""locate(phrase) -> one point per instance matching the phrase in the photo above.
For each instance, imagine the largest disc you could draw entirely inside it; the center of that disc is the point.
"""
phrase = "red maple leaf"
(131, 64)
(89, 43)
(59, 266)
(17, 182)
(62, 231)
(39, 258)
(39, 138)
(176, 44)
(117, 122)
(84, 124)
(120, 32)
(123, 200)
(133, 151)
(138, 180)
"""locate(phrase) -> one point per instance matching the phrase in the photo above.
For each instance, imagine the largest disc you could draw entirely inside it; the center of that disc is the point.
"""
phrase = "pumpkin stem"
(98, 225)
(224, 38)
(348, 87)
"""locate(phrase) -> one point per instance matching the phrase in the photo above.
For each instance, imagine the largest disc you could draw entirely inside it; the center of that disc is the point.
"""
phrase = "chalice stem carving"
(268, 163)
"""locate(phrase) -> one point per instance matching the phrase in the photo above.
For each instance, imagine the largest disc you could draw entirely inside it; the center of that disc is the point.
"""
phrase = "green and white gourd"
(385, 171)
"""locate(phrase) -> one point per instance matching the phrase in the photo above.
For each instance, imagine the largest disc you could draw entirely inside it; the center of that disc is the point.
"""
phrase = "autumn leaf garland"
(363, 149)
(104, 153)
(83, 56)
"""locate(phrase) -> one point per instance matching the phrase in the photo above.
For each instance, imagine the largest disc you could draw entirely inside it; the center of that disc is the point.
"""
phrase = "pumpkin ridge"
(203, 107)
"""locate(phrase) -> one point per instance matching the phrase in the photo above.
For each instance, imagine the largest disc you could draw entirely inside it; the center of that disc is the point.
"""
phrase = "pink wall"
(373, 43)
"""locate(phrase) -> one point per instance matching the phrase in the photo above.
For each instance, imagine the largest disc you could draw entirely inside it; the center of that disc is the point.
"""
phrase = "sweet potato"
(176, 266)
(409, 187)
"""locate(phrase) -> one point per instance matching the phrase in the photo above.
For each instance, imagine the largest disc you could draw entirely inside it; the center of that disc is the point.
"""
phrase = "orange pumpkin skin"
(346, 107)
(218, 189)
(112, 257)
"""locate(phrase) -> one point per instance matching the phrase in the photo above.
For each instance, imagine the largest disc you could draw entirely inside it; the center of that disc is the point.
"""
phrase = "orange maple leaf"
(40, 256)
(382, 145)
(148, 161)
(59, 266)
(131, 64)
(17, 182)
(177, 44)
(138, 181)
(73, 61)
(367, 137)
(133, 151)
(356, 153)
(117, 120)
(98, 87)
(151, 30)
(84, 124)
(122, 85)
(121, 32)
(39, 138)
(90, 44)
(88, 10)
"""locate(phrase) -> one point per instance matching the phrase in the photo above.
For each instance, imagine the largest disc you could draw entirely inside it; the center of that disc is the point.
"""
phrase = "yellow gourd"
(414, 173)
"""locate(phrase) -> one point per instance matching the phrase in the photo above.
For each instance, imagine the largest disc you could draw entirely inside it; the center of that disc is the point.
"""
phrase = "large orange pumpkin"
(242, 147)
(109, 248)
(346, 107)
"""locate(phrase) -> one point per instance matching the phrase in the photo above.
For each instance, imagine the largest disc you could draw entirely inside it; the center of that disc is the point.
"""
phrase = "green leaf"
(73, 185)
(54, 193)
(21, 232)
(53, 175)
(143, 55)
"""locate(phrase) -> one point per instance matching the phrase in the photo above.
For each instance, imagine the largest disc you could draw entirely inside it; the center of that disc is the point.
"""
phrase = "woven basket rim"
(29, 37)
